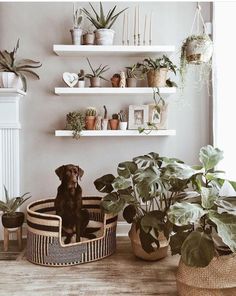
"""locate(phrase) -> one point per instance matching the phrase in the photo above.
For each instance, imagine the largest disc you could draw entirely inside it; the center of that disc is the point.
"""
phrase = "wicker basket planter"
(216, 279)
(44, 241)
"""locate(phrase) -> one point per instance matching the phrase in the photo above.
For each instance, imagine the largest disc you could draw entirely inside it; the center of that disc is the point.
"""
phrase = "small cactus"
(77, 17)
(115, 116)
(91, 111)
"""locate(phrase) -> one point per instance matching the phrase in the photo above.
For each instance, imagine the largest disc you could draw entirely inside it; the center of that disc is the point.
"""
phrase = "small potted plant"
(75, 121)
(90, 118)
(76, 32)
(131, 74)
(105, 119)
(96, 76)
(81, 81)
(104, 35)
(157, 70)
(88, 38)
(13, 71)
(115, 80)
(123, 120)
(114, 121)
(11, 218)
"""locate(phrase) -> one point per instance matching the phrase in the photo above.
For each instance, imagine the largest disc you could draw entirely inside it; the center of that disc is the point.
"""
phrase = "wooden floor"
(119, 274)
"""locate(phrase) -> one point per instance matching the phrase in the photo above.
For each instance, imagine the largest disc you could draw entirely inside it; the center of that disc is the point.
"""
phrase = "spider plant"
(97, 72)
(21, 67)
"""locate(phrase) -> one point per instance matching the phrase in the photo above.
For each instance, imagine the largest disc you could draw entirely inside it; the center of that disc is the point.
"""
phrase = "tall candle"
(135, 21)
(138, 20)
(150, 29)
(144, 33)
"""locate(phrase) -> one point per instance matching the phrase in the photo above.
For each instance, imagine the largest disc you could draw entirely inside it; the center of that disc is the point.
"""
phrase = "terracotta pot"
(131, 82)
(216, 279)
(95, 81)
(88, 39)
(115, 80)
(157, 78)
(14, 220)
(159, 253)
(76, 36)
(104, 36)
(90, 122)
(199, 51)
(114, 123)
(10, 80)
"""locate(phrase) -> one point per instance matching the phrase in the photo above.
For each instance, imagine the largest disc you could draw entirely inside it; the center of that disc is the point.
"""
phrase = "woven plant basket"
(216, 279)
(157, 78)
(44, 242)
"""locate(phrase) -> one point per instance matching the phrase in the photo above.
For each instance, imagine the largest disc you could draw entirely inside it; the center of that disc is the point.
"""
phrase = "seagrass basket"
(45, 244)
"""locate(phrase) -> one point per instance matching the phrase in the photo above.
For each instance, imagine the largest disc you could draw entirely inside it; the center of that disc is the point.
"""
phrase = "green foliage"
(100, 21)
(97, 72)
(133, 72)
(91, 111)
(115, 116)
(22, 67)
(157, 64)
(77, 18)
(75, 121)
(210, 157)
(12, 204)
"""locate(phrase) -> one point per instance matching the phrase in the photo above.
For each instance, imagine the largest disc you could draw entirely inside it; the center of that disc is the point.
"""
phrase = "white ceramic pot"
(81, 83)
(10, 80)
(76, 35)
(104, 124)
(123, 125)
(104, 36)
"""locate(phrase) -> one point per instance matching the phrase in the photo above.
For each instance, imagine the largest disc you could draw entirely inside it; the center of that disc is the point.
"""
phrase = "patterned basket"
(44, 241)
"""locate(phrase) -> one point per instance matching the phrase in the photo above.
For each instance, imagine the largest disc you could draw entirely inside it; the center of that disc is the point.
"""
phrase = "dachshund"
(68, 202)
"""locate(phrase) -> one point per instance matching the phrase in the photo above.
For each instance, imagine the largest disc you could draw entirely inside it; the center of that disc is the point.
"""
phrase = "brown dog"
(68, 203)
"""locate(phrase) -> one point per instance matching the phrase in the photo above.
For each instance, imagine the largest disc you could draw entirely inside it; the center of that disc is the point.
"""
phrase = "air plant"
(97, 72)
(132, 71)
(77, 17)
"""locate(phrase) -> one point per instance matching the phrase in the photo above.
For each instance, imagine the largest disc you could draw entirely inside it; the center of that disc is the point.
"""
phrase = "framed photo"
(138, 116)
(159, 117)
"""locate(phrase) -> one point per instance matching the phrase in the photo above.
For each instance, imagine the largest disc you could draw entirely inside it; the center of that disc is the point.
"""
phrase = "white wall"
(39, 26)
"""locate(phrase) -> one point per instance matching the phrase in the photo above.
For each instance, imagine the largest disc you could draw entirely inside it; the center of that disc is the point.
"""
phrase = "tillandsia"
(102, 21)
(97, 72)
(91, 111)
(75, 122)
(133, 72)
(21, 67)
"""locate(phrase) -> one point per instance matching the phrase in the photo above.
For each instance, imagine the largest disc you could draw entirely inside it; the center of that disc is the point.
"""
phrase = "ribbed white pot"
(76, 35)
(104, 36)
(10, 80)
(123, 125)
(81, 83)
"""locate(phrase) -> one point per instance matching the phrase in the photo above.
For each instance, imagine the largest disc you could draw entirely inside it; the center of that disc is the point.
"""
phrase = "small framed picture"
(138, 116)
(158, 115)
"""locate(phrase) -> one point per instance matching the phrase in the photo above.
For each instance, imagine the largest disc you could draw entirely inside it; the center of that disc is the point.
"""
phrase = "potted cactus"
(114, 122)
(76, 32)
(81, 81)
(123, 120)
(90, 118)
(96, 76)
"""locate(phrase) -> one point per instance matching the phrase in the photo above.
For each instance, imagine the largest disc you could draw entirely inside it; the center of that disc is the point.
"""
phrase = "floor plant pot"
(131, 82)
(139, 251)
(81, 83)
(76, 35)
(13, 220)
(90, 122)
(216, 279)
(157, 78)
(10, 80)
(199, 51)
(114, 124)
(88, 39)
(95, 81)
(104, 36)
(123, 125)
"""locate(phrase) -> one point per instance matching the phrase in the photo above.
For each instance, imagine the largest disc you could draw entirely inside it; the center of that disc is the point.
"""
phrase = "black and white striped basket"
(44, 241)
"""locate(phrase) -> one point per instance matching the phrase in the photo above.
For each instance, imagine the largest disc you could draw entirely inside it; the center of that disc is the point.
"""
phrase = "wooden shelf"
(112, 50)
(116, 133)
(111, 90)
(9, 92)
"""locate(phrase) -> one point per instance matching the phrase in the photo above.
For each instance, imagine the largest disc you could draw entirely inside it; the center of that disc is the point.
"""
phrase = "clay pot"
(90, 122)
(104, 36)
(88, 39)
(76, 36)
(114, 124)
(157, 78)
(159, 253)
(115, 80)
(14, 220)
(95, 81)
(131, 82)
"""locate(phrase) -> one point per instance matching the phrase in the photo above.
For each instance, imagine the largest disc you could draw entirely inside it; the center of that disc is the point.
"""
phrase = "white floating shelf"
(111, 90)
(112, 50)
(116, 133)
(7, 92)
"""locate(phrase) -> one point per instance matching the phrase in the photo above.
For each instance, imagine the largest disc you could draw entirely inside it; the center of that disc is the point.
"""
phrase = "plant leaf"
(104, 184)
(120, 183)
(208, 197)
(177, 240)
(6, 194)
(129, 213)
(112, 203)
(126, 169)
(210, 156)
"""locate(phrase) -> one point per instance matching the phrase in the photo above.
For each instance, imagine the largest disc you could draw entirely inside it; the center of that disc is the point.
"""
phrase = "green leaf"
(147, 241)
(112, 203)
(185, 213)
(129, 213)
(149, 159)
(198, 249)
(208, 197)
(120, 183)
(227, 203)
(104, 184)
(152, 219)
(226, 227)
(6, 194)
(176, 241)
(126, 169)
(210, 156)
(180, 171)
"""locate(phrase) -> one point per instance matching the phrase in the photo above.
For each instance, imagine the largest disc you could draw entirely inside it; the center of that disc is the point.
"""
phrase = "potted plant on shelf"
(144, 191)
(105, 119)
(11, 218)
(205, 232)
(88, 38)
(90, 118)
(81, 81)
(114, 121)
(76, 32)
(157, 70)
(123, 120)
(13, 71)
(96, 76)
(131, 74)
(104, 35)
(75, 121)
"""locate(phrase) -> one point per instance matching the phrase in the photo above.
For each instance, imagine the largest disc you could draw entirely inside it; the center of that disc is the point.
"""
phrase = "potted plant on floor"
(157, 70)
(76, 32)
(114, 121)
(96, 76)
(13, 71)
(144, 191)
(123, 120)
(11, 218)
(75, 121)
(132, 75)
(90, 118)
(104, 35)
(205, 232)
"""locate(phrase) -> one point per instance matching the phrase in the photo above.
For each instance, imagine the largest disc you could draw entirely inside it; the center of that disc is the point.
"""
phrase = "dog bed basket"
(44, 242)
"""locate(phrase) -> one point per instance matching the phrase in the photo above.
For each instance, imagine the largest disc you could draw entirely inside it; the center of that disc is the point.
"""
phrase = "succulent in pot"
(75, 121)
(88, 38)
(132, 74)
(90, 118)
(76, 32)
(114, 121)
(13, 71)
(104, 35)
(123, 120)
(81, 76)
(11, 218)
(96, 76)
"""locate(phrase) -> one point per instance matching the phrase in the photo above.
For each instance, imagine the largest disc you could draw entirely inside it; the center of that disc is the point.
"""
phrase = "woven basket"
(216, 279)
(44, 242)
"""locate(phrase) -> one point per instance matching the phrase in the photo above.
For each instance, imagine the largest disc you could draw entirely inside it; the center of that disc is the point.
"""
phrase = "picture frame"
(159, 119)
(138, 116)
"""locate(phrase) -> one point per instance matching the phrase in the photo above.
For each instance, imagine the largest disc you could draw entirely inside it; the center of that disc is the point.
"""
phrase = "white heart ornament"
(70, 78)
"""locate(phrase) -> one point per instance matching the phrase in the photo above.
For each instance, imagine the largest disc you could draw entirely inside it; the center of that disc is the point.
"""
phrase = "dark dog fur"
(68, 203)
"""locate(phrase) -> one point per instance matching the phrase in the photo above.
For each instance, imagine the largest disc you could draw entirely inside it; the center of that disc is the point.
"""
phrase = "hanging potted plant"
(104, 35)
(90, 118)
(96, 76)
(75, 121)
(13, 71)
(76, 32)
(11, 218)
(205, 232)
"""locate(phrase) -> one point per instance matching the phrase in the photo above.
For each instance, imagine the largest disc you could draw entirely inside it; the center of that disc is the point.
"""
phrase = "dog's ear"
(81, 172)
(60, 171)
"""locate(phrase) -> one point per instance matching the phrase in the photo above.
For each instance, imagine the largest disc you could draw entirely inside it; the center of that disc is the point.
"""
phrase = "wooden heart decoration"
(70, 78)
